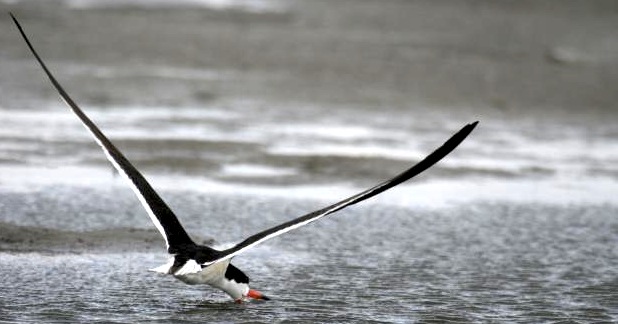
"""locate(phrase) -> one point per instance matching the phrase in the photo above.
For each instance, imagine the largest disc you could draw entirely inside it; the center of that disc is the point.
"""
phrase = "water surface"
(246, 114)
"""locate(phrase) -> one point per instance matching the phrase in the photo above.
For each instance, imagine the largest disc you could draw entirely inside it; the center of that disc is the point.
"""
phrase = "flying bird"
(193, 263)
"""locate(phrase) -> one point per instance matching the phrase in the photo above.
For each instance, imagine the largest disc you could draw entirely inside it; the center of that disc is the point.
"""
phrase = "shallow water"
(491, 262)
(244, 115)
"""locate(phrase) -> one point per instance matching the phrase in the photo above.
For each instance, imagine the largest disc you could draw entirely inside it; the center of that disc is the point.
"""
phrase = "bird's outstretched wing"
(423, 165)
(167, 223)
(162, 216)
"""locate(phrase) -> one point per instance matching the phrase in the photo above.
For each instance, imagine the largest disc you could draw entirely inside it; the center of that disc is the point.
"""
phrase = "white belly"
(214, 275)
(209, 275)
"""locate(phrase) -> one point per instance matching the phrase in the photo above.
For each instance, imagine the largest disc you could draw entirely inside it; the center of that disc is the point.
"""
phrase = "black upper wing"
(162, 216)
(423, 165)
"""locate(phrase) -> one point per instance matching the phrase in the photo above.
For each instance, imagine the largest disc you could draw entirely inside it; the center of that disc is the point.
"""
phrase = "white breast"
(192, 273)
(213, 275)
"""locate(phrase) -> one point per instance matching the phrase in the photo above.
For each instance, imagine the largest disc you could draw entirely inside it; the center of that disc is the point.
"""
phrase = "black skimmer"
(200, 264)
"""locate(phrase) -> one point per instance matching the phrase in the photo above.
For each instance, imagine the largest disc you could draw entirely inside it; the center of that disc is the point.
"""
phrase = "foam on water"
(550, 165)
(431, 193)
(339, 132)
(499, 149)
(350, 150)
(154, 71)
(256, 6)
(252, 170)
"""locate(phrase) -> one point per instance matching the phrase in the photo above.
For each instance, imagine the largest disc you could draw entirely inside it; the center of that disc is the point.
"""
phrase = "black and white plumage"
(200, 264)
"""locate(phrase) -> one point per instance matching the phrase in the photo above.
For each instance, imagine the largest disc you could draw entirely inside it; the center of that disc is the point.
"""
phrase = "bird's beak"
(256, 295)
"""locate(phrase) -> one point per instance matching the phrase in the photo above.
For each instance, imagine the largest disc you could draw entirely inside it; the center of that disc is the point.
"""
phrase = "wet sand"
(14, 238)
